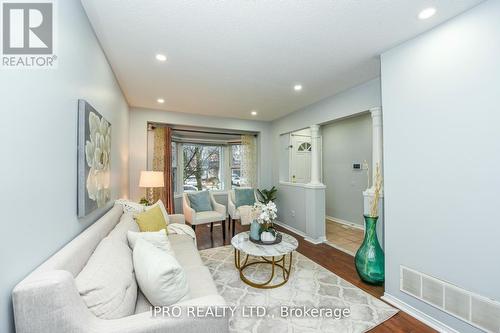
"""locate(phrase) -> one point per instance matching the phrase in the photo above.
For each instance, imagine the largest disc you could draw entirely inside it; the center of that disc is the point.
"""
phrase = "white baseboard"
(425, 318)
(300, 233)
(348, 223)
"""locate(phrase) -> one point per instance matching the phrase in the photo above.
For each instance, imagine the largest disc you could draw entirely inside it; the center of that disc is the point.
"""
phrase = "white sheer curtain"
(248, 161)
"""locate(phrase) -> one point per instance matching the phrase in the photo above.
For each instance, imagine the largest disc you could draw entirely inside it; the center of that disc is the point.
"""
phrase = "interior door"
(300, 159)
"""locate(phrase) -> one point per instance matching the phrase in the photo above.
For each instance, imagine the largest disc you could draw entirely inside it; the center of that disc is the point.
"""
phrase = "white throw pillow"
(160, 204)
(130, 206)
(157, 238)
(106, 283)
(160, 277)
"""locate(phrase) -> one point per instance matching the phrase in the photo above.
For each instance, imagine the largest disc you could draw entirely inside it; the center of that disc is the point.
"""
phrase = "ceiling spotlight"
(297, 87)
(427, 13)
(253, 113)
(160, 100)
(161, 57)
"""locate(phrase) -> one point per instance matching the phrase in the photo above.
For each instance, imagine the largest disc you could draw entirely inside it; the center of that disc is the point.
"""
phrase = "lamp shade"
(151, 179)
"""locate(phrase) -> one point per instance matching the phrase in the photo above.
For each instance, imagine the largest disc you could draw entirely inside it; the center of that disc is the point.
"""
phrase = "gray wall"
(38, 145)
(442, 151)
(353, 101)
(138, 140)
(344, 142)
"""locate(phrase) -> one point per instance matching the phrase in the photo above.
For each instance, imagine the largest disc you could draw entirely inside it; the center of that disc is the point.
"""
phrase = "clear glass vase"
(369, 258)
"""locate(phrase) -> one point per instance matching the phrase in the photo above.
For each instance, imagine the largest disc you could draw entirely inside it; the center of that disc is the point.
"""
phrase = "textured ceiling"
(226, 58)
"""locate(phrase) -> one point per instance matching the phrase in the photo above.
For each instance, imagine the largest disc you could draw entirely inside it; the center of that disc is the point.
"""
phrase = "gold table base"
(281, 263)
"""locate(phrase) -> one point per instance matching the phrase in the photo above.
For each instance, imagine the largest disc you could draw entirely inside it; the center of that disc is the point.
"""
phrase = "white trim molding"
(417, 314)
(302, 234)
(345, 222)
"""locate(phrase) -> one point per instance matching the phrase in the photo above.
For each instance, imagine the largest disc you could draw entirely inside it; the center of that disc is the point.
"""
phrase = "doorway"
(347, 153)
(300, 157)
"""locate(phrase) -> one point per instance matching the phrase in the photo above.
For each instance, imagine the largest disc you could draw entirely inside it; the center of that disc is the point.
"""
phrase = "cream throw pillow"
(157, 238)
(106, 283)
(160, 277)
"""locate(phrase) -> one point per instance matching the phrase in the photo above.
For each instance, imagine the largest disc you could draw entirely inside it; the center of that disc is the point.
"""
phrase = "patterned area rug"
(310, 287)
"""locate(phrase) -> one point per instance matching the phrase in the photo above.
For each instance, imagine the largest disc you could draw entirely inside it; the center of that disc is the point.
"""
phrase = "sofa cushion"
(160, 277)
(244, 197)
(200, 201)
(200, 282)
(185, 251)
(107, 283)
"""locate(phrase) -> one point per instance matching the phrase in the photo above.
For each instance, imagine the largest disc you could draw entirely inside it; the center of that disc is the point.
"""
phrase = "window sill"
(218, 192)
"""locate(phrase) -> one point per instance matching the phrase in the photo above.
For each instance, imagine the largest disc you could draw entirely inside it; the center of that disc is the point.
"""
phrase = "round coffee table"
(273, 255)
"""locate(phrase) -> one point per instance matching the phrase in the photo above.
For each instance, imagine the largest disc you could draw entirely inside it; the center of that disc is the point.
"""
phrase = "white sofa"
(48, 300)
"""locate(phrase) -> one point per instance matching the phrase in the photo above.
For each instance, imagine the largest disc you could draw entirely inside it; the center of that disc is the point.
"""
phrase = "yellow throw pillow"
(151, 220)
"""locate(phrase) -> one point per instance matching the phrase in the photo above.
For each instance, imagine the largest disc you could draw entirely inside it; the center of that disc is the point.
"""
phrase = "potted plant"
(369, 258)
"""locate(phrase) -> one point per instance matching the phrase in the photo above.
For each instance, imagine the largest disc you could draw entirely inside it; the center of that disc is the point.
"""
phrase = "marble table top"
(243, 243)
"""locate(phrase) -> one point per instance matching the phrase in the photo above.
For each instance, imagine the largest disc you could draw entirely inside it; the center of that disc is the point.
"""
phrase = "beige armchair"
(241, 213)
(195, 218)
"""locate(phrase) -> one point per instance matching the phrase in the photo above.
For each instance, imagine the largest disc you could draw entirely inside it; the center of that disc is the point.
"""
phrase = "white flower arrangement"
(265, 213)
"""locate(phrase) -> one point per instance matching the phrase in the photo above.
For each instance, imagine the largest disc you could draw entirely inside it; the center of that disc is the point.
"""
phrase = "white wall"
(344, 142)
(138, 140)
(441, 101)
(38, 142)
(353, 101)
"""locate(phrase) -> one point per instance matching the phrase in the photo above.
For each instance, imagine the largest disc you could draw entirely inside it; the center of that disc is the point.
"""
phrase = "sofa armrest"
(219, 208)
(49, 302)
(147, 323)
(177, 218)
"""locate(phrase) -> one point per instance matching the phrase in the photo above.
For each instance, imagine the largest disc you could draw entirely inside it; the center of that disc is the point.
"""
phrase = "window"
(306, 146)
(235, 165)
(202, 167)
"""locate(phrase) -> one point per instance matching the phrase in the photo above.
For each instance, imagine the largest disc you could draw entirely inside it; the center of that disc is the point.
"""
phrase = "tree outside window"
(202, 167)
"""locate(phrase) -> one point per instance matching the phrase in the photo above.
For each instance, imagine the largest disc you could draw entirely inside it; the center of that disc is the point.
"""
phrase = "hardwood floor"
(332, 259)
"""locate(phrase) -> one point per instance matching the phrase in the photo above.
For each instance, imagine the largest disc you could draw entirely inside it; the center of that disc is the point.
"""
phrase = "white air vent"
(411, 282)
(474, 309)
(432, 291)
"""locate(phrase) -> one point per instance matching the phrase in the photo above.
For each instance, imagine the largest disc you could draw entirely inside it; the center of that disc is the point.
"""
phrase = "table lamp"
(150, 180)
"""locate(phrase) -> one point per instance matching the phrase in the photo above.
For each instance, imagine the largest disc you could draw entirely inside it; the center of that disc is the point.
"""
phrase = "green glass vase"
(370, 257)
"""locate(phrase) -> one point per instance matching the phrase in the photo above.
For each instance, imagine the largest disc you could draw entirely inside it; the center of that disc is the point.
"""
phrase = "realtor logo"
(28, 34)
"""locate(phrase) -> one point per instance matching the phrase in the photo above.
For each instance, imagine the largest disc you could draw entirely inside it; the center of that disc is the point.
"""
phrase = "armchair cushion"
(244, 197)
(200, 201)
(207, 217)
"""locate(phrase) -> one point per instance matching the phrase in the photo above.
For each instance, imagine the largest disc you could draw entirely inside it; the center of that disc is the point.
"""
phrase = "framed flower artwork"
(94, 156)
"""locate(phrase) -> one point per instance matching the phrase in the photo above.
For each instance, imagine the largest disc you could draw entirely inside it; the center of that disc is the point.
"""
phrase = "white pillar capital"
(315, 155)
(376, 111)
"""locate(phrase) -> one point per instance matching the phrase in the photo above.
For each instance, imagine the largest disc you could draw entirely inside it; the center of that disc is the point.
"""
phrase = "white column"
(315, 156)
(369, 193)
(376, 141)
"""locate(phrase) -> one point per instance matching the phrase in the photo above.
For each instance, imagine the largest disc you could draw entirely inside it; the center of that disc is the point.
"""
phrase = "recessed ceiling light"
(161, 57)
(160, 100)
(427, 13)
(297, 87)
(253, 113)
